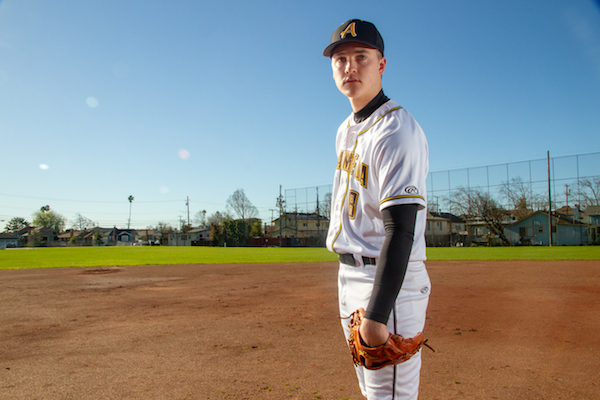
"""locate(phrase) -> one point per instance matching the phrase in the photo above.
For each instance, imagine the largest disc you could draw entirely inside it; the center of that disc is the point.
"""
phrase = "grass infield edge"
(124, 256)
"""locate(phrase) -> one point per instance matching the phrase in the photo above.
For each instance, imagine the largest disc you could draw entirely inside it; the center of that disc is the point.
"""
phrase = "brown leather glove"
(395, 350)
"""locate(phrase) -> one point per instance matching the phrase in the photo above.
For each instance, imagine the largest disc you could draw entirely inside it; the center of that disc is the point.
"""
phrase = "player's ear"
(382, 64)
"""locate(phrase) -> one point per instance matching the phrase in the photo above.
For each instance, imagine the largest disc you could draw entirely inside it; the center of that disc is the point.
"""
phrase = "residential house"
(70, 236)
(87, 237)
(534, 230)
(478, 231)
(121, 237)
(591, 216)
(37, 236)
(194, 237)
(304, 229)
(152, 236)
(8, 240)
(445, 229)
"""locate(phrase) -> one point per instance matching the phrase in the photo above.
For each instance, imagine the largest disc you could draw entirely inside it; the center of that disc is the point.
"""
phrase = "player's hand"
(373, 334)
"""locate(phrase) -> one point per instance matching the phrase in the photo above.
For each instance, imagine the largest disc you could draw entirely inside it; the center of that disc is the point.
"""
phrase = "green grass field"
(120, 256)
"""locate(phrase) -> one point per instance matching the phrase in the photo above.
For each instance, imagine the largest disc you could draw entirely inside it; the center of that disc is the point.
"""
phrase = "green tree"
(215, 221)
(49, 219)
(15, 224)
(256, 228)
(34, 239)
(97, 237)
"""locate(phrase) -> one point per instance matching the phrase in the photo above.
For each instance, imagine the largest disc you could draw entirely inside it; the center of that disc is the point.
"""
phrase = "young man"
(378, 210)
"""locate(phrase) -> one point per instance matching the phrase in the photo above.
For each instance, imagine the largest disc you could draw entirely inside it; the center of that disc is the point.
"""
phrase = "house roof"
(41, 231)
(447, 216)
(560, 219)
(592, 210)
(303, 217)
(194, 230)
(8, 235)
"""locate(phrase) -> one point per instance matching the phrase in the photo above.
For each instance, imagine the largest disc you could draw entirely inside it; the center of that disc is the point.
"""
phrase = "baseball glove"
(395, 350)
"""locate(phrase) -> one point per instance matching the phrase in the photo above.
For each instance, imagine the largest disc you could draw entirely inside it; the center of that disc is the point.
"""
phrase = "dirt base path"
(501, 330)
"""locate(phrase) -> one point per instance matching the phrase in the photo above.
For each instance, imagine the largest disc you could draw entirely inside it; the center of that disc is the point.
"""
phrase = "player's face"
(357, 71)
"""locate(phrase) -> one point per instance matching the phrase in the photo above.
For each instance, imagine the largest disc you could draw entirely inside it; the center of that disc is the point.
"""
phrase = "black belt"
(349, 259)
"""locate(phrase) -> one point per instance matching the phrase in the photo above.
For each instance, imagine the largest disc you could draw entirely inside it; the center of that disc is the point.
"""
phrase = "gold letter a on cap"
(350, 29)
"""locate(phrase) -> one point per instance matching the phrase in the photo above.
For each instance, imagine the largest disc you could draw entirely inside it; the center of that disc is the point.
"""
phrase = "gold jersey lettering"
(354, 163)
(348, 159)
(364, 173)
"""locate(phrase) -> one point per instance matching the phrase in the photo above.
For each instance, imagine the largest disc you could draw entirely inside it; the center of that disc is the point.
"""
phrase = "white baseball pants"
(355, 284)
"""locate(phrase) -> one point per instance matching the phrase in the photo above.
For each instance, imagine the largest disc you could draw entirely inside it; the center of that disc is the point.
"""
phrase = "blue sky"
(162, 100)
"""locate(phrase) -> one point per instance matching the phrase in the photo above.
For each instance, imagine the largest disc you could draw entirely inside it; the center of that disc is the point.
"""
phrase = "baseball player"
(379, 209)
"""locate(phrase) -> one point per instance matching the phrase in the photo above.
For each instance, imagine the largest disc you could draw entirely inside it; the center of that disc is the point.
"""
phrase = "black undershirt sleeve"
(399, 222)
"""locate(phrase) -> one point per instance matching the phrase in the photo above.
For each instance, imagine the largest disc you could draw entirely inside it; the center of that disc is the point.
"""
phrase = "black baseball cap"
(355, 30)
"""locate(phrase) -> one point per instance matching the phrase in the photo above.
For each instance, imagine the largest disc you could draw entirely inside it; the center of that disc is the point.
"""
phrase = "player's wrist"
(377, 317)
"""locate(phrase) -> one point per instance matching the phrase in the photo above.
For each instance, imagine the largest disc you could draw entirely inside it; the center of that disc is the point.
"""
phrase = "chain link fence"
(568, 178)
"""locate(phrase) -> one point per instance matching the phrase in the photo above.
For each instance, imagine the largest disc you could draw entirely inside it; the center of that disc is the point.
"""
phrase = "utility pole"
(187, 203)
(130, 198)
(280, 204)
(318, 215)
(272, 209)
(549, 203)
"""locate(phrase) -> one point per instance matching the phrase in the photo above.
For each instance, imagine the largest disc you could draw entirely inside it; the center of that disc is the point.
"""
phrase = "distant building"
(194, 237)
(8, 240)
(299, 229)
(534, 230)
(445, 229)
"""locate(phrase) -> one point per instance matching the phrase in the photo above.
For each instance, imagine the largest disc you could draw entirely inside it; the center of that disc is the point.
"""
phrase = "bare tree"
(164, 229)
(241, 205)
(589, 191)
(473, 203)
(81, 223)
(200, 218)
(325, 206)
(521, 197)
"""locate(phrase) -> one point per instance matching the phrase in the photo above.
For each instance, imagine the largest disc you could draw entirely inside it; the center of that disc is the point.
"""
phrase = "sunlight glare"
(92, 102)
(183, 154)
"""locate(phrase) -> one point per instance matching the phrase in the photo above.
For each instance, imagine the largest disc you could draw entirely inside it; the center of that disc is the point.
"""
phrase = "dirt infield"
(501, 330)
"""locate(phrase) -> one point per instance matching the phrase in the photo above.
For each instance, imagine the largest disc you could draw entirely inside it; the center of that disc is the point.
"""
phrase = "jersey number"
(352, 200)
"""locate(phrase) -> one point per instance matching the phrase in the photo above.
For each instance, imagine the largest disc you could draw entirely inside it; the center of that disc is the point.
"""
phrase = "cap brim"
(328, 52)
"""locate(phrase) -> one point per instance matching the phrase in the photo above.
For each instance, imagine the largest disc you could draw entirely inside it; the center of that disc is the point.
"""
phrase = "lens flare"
(183, 154)
(92, 102)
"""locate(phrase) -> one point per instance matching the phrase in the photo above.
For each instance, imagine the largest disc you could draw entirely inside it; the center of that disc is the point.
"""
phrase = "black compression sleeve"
(399, 224)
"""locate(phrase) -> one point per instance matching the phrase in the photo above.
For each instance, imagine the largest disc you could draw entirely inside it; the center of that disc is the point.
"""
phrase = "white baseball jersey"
(382, 161)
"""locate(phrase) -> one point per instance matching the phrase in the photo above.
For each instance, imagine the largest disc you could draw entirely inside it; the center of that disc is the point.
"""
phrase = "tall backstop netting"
(309, 200)
(573, 180)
